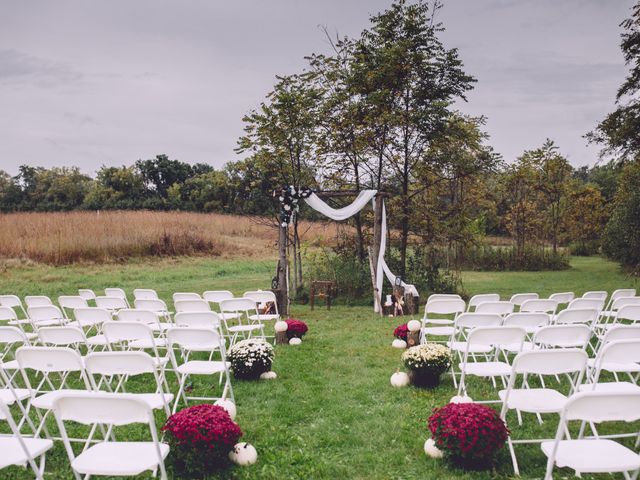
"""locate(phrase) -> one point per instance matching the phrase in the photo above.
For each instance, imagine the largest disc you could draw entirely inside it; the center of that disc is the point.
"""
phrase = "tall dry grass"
(64, 238)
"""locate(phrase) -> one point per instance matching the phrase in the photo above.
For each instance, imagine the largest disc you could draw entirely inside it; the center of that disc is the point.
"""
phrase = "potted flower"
(426, 363)
(401, 332)
(250, 358)
(468, 434)
(200, 439)
(296, 328)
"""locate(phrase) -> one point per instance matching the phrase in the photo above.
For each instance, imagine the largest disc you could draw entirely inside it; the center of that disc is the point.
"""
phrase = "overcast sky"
(93, 83)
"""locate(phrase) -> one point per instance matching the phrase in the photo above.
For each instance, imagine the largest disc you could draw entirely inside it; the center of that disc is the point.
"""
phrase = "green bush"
(584, 249)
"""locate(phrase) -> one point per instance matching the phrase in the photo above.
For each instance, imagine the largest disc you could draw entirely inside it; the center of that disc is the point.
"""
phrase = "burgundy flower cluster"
(201, 438)
(296, 328)
(469, 434)
(401, 332)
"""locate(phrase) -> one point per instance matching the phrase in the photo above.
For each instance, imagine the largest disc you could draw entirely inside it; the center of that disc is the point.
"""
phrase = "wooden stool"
(322, 289)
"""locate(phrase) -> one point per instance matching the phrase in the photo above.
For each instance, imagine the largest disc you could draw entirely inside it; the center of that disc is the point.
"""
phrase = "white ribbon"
(343, 213)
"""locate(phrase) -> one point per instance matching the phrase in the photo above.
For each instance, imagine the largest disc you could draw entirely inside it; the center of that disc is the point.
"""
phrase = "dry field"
(65, 238)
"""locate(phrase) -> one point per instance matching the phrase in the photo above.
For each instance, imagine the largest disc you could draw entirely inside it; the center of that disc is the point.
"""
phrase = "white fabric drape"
(343, 213)
(349, 211)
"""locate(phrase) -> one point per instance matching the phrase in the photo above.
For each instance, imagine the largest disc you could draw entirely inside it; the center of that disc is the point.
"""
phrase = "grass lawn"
(332, 412)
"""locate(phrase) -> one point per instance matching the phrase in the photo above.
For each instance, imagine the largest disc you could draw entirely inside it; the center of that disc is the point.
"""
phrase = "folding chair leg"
(514, 460)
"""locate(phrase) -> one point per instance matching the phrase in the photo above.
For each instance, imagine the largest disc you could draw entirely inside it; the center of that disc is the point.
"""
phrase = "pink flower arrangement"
(401, 332)
(201, 438)
(469, 434)
(296, 328)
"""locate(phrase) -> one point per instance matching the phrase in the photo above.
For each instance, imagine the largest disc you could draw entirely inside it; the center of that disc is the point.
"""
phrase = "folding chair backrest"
(262, 297)
(71, 302)
(192, 306)
(596, 303)
(550, 362)
(539, 305)
(519, 298)
(115, 292)
(622, 301)
(238, 305)
(216, 296)
(197, 320)
(443, 296)
(603, 406)
(102, 407)
(194, 339)
(483, 297)
(622, 293)
(91, 315)
(127, 332)
(620, 352)
(474, 319)
(87, 294)
(136, 315)
(144, 294)
(576, 335)
(629, 312)
(596, 295)
(562, 297)
(49, 359)
(450, 306)
(61, 336)
(499, 308)
(155, 305)
(527, 319)
(10, 335)
(10, 301)
(45, 312)
(37, 301)
(622, 332)
(111, 302)
(577, 315)
(180, 296)
(119, 363)
(496, 336)
(7, 314)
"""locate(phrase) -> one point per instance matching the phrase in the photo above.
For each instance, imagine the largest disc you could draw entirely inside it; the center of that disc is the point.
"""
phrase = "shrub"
(427, 362)
(250, 358)
(352, 277)
(296, 328)
(401, 332)
(469, 434)
(200, 438)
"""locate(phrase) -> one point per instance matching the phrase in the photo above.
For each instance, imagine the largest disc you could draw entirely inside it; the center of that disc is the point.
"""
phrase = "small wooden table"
(322, 289)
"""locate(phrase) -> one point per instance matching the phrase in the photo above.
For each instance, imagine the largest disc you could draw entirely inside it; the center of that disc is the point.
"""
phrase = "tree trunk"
(298, 258)
(377, 231)
(360, 238)
(282, 269)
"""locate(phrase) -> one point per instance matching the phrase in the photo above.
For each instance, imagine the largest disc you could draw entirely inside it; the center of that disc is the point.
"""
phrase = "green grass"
(331, 413)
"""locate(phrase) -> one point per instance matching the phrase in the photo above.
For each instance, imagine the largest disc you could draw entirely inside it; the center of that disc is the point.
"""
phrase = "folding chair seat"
(539, 400)
(118, 367)
(263, 300)
(147, 317)
(492, 367)
(539, 305)
(21, 450)
(69, 303)
(563, 298)
(144, 294)
(45, 316)
(13, 302)
(594, 455)
(180, 296)
(37, 301)
(447, 306)
(111, 304)
(118, 293)
(519, 298)
(209, 320)
(617, 357)
(8, 315)
(499, 308)
(188, 341)
(155, 305)
(242, 309)
(111, 458)
(88, 294)
(480, 298)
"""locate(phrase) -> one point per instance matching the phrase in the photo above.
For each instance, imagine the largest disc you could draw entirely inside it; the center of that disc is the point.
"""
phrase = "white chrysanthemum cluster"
(428, 355)
(250, 358)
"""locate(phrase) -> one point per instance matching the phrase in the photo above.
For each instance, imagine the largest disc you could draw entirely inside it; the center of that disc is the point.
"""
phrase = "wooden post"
(377, 231)
(281, 338)
(411, 304)
(282, 270)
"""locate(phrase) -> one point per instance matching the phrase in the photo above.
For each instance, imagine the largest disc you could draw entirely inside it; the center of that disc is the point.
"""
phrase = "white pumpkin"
(268, 375)
(243, 454)
(461, 399)
(431, 450)
(295, 341)
(399, 343)
(414, 325)
(400, 379)
(281, 326)
(228, 405)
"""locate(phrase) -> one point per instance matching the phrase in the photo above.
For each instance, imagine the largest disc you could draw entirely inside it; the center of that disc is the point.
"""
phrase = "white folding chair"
(69, 303)
(10, 339)
(616, 357)
(217, 296)
(587, 316)
(181, 296)
(72, 337)
(530, 321)
(86, 293)
(91, 319)
(118, 293)
(620, 293)
(111, 304)
(499, 308)
(562, 297)
(242, 309)
(596, 295)
(494, 337)
(539, 401)
(37, 301)
(616, 305)
(542, 305)
(155, 305)
(480, 298)
(136, 336)
(580, 303)
(562, 336)
(594, 455)
(45, 316)
(8, 315)
(264, 299)
(519, 298)
(147, 317)
(210, 320)
(109, 457)
(188, 341)
(144, 294)
(194, 305)
(20, 450)
(13, 302)
(440, 306)
(114, 369)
